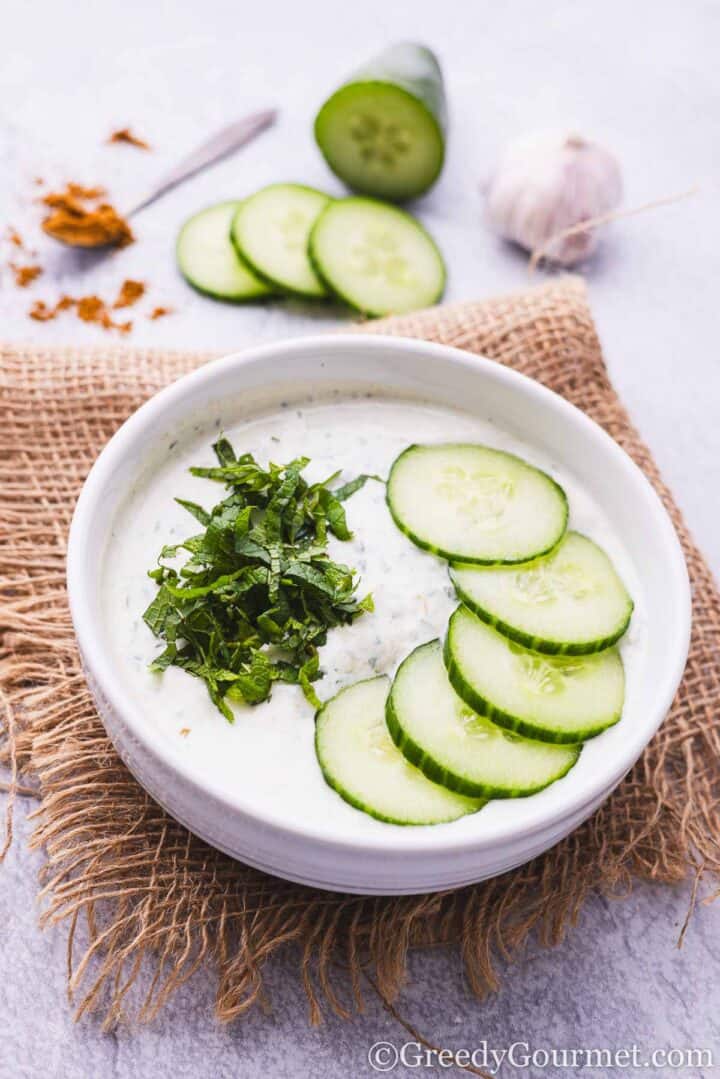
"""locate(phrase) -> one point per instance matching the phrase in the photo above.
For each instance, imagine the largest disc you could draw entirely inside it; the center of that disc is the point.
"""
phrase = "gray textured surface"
(644, 78)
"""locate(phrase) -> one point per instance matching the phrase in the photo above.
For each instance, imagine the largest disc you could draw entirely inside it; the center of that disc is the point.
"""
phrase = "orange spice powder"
(92, 308)
(130, 292)
(125, 135)
(25, 275)
(41, 312)
(80, 219)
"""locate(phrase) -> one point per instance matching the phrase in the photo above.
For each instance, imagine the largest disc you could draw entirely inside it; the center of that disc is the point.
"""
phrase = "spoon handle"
(221, 144)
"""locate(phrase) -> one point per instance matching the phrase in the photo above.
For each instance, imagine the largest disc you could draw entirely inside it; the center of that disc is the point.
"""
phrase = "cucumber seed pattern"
(377, 254)
(542, 675)
(479, 729)
(378, 141)
(293, 226)
(480, 497)
(549, 581)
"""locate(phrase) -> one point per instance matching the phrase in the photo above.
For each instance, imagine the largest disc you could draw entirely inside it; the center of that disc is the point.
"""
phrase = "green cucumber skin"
(267, 293)
(414, 68)
(521, 726)
(334, 292)
(356, 803)
(452, 556)
(276, 288)
(540, 644)
(425, 86)
(454, 782)
(258, 297)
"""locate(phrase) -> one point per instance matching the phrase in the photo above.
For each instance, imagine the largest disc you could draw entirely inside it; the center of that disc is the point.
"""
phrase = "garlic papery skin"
(549, 182)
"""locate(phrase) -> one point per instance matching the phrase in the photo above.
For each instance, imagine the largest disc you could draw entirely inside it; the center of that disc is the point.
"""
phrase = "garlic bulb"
(547, 183)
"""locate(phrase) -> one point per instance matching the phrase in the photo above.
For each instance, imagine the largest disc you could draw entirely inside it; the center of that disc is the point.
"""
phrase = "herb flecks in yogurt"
(257, 592)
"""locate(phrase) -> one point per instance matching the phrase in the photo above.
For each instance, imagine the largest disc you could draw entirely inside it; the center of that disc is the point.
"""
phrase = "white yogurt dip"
(268, 752)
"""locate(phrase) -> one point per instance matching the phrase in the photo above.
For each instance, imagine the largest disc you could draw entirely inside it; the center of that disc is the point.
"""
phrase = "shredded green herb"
(257, 593)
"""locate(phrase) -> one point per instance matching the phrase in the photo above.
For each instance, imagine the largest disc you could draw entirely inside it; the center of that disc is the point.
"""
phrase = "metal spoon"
(223, 143)
(220, 145)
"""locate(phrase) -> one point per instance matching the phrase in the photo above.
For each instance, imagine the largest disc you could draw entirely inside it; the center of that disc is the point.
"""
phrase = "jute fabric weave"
(148, 892)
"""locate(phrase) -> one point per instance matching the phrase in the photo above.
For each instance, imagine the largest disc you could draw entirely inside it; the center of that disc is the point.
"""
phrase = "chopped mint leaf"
(198, 512)
(349, 488)
(258, 593)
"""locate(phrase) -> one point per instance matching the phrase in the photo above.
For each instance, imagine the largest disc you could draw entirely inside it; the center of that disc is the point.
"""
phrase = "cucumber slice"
(456, 747)
(383, 131)
(360, 761)
(571, 602)
(470, 503)
(207, 260)
(270, 232)
(376, 257)
(551, 698)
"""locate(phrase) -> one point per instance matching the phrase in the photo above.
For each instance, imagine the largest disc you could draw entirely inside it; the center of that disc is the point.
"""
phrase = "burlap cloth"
(154, 894)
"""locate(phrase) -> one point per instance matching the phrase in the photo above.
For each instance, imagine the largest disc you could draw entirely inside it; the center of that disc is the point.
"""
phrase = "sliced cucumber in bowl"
(376, 257)
(208, 261)
(571, 602)
(270, 232)
(454, 746)
(565, 699)
(360, 761)
(468, 503)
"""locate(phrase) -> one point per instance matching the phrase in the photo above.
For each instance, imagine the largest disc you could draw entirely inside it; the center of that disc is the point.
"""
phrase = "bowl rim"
(412, 841)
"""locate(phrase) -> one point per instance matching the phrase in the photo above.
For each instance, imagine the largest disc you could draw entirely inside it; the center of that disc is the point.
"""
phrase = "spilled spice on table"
(23, 272)
(92, 308)
(130, 292)
(79, 214)
(41, 312)
(79, 217)
(87, 308)
(25, 275)
(125, 135)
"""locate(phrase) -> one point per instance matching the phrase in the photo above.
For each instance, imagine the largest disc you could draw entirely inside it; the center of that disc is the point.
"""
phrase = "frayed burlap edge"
(149, 892)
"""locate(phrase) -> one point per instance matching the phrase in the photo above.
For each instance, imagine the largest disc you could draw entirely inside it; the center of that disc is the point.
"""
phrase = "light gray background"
(644, 78)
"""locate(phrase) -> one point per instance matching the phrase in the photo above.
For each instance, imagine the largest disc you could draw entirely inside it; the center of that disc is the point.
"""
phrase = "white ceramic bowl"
(387, 859)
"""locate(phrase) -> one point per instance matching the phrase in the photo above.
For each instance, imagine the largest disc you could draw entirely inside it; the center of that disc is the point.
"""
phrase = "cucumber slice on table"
(208, 260)
(452, 745)
(551, 698)
(383, 131)
(270, 232)
(361, 762)
(469, 503)
(376, 257)
(571, 602)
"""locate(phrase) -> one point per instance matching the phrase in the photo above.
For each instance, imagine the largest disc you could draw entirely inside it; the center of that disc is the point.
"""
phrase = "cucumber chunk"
(469, 503)
(270, 232)
(376, 257)
(452, 745)
(360, 761)
(550, 698)
(383, 131)
(571, 602)
(208, 261)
